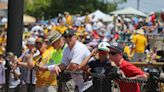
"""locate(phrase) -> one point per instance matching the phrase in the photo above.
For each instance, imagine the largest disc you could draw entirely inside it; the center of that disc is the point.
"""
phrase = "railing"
(145, 64)
(99, 79)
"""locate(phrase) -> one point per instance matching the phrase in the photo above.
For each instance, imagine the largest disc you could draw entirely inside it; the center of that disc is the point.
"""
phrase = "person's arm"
(58, 68)
(78, 58)
(29, 62)
(20, 63)
(1, 61)
(86, 60)
(72, 67)
(144, 76)
(20, 59)
(53, 68)
(50, 67)
(62, 66)
(84, 63)
(15, 70)
(133, 72)
(23, 64)
(16, 74)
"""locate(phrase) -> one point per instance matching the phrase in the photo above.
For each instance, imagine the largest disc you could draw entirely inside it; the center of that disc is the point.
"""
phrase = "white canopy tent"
(129, 11)
(100, 15)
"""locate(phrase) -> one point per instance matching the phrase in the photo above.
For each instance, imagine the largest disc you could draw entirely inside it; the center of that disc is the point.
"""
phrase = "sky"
(146, 6)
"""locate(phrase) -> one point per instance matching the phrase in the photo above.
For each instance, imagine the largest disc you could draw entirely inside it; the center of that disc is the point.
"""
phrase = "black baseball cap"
(117, 46)
(69, 32)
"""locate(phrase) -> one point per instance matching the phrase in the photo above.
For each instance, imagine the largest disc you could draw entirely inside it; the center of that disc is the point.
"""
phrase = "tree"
(50, 8)
(38, 8)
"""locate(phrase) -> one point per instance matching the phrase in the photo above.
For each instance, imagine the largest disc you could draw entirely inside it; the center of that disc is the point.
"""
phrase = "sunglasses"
(113, 53)
(68, 36)
(38, 43)
(102, 52)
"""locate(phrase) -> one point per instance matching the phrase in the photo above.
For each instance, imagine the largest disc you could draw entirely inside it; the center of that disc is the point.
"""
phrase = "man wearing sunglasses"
(73, 56)
(128, 69)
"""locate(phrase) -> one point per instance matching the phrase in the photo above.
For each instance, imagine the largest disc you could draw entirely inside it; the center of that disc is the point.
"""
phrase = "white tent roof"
(129, 10)
(100, 15)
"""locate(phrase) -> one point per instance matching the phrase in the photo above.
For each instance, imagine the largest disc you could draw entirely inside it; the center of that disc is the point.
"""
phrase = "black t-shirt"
(100, 67)
(97, 66)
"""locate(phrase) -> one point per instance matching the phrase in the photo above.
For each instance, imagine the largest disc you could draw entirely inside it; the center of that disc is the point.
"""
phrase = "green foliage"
(37, 8)
(50, 8)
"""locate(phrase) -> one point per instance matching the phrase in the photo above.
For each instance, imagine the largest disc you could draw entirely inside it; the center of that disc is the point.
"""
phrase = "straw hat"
(54, 36)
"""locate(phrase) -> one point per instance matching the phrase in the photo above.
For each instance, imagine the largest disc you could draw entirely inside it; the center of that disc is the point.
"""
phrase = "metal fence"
(106, 83)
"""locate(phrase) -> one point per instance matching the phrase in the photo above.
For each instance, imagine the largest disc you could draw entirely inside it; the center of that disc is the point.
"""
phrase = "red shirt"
(130, 71)
(95, 35)
(116, 36)
(153, 17)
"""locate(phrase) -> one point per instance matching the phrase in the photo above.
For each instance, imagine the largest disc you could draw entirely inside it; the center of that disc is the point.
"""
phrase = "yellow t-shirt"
(46, 78)
(61, 29)
(140, 43)
(2, 40)
(80, 29)
(69, 20)
(86, 20)
(2, 49)
(127, 50)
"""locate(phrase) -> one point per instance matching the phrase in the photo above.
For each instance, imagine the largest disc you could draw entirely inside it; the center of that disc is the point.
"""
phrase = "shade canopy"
(100, 15)
(129, 11)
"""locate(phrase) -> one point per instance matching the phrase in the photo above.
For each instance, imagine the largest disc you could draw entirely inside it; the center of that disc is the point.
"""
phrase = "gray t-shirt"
(28, 76)
(13, 81)
(2, 73)
(76, 55)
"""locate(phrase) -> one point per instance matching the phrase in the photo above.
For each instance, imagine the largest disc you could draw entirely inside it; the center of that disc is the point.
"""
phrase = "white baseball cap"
(31, 41)
(103, 46)
(140, 31)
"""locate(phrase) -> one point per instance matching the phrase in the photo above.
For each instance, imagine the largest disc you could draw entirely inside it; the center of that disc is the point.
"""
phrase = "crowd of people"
(71, 43)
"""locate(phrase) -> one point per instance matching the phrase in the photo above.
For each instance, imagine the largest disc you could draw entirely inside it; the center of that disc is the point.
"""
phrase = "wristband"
(51, 67)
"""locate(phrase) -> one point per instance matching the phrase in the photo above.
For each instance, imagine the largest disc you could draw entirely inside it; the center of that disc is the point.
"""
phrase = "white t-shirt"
(88, 27)
(76, 55)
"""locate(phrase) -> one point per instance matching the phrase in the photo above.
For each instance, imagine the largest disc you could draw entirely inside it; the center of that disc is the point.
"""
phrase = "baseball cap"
(31, 41)
(117, 46)
(140, 31)
(69, 32)
(103, 46)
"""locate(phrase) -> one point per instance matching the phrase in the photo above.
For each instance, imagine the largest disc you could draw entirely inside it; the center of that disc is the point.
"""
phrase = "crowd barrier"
(104, 83)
